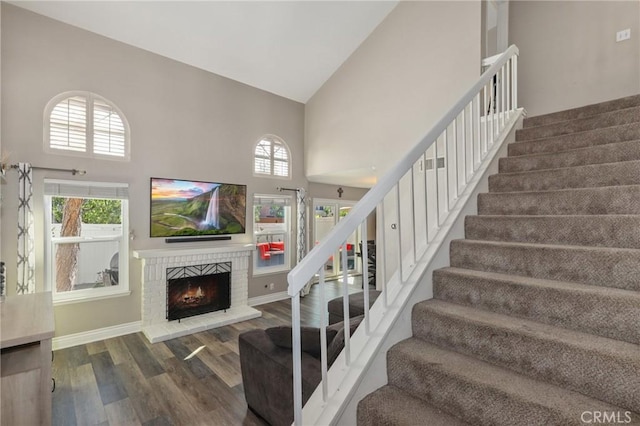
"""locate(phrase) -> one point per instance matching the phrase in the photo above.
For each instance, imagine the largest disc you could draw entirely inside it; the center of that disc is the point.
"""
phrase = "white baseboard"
(85, 337)
(268, 298)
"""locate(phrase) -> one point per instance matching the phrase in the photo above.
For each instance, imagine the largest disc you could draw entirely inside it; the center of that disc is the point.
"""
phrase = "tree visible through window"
(87, 231)
(71, 213)
(67, 254)
(271, 158)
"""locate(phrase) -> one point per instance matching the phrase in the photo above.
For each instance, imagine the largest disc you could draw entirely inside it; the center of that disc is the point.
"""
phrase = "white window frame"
(274, 140)
(96, 190)
(90, 99)
(259, 235)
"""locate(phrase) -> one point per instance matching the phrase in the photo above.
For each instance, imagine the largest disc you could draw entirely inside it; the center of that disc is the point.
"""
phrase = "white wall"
(568, 52)
(391, 91)
(94, 256)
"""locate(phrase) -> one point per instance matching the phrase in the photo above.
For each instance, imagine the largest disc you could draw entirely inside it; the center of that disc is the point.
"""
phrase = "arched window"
(83, 123)
(272, 158)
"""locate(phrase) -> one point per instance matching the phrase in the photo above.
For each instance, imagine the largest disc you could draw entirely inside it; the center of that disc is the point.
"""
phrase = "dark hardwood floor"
(129, 381)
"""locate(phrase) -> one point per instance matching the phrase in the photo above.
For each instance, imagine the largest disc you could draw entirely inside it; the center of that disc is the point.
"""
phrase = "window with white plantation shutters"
(108, 130)
(272, 158)
(68, 125)
(263, 158)
(83, 123)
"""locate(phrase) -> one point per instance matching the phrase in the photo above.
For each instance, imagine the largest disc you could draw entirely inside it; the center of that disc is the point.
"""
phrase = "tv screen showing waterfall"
(182, 208)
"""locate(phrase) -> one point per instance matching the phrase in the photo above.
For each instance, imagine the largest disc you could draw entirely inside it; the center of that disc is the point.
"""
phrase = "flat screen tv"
(188, 208)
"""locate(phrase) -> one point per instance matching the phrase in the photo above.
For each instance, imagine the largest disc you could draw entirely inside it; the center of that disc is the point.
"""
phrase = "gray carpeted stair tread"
(607, 119)
(599, 367)
(482, 393)
(588, 176)
(581, 201)
(536, 321)
(391, 406)
(622, 231)
(605, 311)
(598, 154)
(622, 133)
(582, 112)
(602, 266)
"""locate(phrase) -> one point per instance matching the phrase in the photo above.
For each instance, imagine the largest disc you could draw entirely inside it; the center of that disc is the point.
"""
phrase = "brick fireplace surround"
(154, 289)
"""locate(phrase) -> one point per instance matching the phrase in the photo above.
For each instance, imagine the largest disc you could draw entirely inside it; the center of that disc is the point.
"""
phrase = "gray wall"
(392, 90)
(185, 123)
(330, 192)
(568, 52)
(1, 151)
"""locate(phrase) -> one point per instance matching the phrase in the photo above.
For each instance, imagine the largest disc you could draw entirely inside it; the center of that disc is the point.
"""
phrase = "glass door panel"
(353, 263)
(324, 221)
(327, 213)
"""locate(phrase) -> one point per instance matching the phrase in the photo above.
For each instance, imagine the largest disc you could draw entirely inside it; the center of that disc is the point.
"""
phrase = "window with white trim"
(272, 158)
(86, 239)
(83, 123)
(272, 236)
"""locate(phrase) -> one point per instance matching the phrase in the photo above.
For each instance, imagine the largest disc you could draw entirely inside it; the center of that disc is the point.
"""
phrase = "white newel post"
(155, 262)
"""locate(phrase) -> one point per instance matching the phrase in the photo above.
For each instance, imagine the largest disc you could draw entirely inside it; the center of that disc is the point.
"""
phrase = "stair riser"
(596, 137)
(602, 267)
(614, 316)
(610, 153)
(582, 112)
(536, 320)
(624, 173)
(598, 201)
(474, 402)
(599, 375)
(608, 119)
(598, 231)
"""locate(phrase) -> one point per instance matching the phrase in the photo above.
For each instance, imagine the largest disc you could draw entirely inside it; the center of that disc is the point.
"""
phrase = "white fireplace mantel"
(192, 251)
(155, 262)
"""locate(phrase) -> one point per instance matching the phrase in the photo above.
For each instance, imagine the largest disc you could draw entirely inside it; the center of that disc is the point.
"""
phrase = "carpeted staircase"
(537, 320)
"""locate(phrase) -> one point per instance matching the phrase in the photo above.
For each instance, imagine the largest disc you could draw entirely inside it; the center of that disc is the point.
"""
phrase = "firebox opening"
(196, 295)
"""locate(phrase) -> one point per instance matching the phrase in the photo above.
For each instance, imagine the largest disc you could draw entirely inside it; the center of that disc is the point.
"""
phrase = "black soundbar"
(192, 239)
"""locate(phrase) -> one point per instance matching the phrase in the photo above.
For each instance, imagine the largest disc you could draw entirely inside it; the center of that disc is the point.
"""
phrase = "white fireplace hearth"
(155, 262)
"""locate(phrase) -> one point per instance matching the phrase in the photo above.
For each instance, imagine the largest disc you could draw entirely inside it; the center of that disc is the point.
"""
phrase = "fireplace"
(198, 289)
(160, 265)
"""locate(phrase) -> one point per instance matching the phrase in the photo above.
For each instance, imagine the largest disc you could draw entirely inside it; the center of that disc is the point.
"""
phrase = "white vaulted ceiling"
(289, 48)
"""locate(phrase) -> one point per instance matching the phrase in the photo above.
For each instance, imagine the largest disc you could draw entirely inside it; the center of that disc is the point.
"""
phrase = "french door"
(326, 214)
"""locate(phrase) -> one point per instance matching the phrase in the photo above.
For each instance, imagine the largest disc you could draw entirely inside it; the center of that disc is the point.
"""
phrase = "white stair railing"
(423, 189)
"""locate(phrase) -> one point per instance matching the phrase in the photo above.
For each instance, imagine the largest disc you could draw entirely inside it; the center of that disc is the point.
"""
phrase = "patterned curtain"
(301, 205)
(26, 255)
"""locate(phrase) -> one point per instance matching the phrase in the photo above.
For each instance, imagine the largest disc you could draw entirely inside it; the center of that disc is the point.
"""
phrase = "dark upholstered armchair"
(267, 367)
(356, 305)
